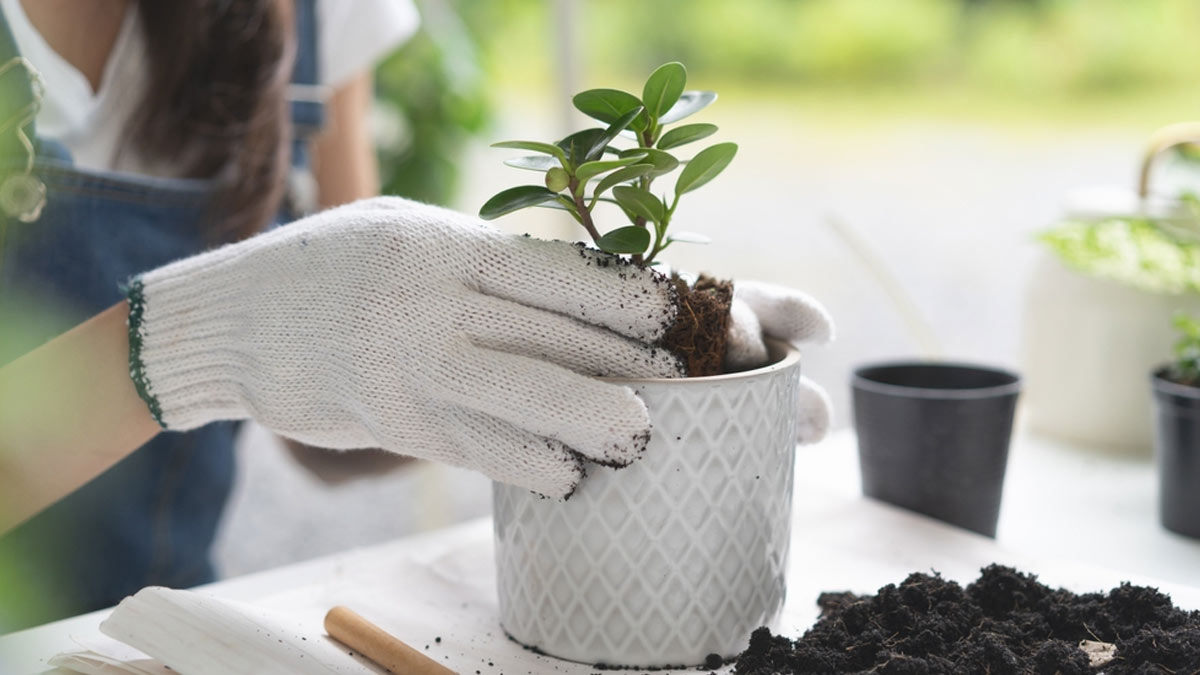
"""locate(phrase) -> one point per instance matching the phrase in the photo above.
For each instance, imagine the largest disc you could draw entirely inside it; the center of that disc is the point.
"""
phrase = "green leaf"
(690, 102)
(578, 146)
(686, 134)
(540, 163)
(607, 105)
(514, 199)
(663, 88)
(592, 169)
(705, 166)
(630, 239)
(611, 132)
(639, 202)
(620, 176)
(544, 148)
(664, 162)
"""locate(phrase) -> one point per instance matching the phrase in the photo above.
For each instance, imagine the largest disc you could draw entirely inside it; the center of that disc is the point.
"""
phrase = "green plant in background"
(1185, 369)
(431, 94)
(577, 175)
(1153, 256)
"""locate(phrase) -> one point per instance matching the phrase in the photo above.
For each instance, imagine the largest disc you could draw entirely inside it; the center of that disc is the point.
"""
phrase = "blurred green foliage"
(1048, 46)
(1071, 58)
(763, 40)
(1086, 45)
(431, 98)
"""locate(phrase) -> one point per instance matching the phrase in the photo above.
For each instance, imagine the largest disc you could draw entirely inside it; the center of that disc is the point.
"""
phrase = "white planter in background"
(1089, 345)
(678, 556)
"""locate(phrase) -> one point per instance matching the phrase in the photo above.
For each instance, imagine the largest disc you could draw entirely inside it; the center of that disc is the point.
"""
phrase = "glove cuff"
(134, 295)
(183, 359)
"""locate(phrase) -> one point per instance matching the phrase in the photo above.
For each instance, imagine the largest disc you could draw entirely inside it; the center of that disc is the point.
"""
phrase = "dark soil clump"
(1004, 622)
(698, 335)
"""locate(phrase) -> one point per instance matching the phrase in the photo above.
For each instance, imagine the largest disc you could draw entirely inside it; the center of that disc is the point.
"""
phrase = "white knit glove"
(786, 314)
(387, 323)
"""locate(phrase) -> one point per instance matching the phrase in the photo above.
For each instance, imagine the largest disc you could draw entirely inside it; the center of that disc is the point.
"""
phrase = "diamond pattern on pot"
(678, 556)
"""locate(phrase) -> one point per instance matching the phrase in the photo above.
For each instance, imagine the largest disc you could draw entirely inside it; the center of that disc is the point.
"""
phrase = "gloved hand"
(783, 313)
(387, 323)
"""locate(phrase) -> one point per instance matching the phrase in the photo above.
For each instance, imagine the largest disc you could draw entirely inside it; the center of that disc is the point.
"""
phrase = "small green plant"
(1186, 367)
(586, 169)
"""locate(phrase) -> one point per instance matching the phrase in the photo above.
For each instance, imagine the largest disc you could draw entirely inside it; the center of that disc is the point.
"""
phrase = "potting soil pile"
(1004, 622)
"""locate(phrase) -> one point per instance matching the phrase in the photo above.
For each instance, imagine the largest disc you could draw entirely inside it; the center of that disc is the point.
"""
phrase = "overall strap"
(306, 97)
(306, 100)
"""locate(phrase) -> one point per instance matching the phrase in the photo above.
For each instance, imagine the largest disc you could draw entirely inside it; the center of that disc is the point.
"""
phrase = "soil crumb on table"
(1004, 622)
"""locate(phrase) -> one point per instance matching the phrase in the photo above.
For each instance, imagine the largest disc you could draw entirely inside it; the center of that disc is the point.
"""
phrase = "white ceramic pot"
(1088, 344)
(676, 557)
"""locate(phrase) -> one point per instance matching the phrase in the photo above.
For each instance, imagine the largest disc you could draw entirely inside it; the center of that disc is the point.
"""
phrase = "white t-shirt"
(352, 35)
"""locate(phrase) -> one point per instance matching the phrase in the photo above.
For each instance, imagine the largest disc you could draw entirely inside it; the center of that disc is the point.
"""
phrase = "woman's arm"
(303, 330)
(68, 411)
(343, 159)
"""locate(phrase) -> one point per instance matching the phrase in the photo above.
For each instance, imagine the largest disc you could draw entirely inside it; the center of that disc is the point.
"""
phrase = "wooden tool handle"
(347, 627)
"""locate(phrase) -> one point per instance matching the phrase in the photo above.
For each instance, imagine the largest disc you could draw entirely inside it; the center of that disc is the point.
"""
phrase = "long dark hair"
(214, 101)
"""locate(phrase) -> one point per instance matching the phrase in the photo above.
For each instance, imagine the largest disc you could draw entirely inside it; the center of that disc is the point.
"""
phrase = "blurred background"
(897, 161)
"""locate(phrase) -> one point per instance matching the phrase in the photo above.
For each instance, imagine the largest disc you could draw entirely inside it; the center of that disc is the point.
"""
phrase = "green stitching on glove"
(137, 369)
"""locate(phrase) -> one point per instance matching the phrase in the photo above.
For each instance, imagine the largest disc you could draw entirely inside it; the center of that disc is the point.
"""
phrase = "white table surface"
(1078, 519)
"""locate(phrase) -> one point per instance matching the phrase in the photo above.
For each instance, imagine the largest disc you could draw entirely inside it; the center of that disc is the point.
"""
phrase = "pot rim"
(1160, 382)
(783, 354)
(1012, 388)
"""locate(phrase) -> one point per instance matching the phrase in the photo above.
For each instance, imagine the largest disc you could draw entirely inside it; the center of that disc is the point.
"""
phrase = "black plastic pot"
(933, 438)
(1177, 451)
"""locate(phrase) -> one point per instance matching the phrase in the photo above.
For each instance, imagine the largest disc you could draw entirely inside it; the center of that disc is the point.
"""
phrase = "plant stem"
(646, 140)
(660, 233)
(584, 215)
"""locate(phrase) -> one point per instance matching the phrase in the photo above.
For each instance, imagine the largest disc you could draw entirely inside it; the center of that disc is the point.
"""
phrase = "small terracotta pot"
(1177, 452)
(676, 557)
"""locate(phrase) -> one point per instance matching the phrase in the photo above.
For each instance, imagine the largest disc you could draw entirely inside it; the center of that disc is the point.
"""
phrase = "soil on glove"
(698, 335)
(1004, 622)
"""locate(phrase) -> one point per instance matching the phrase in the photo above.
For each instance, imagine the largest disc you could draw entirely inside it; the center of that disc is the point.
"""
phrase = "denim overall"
(150, 519)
